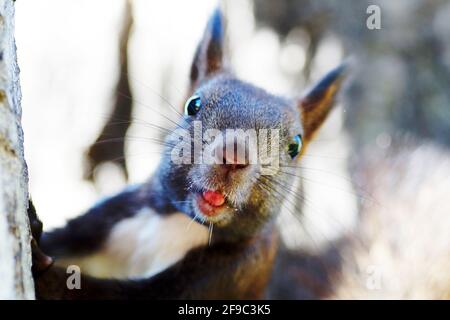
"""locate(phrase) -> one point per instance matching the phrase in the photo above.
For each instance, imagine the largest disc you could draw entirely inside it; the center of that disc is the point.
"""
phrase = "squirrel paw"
(40, 261)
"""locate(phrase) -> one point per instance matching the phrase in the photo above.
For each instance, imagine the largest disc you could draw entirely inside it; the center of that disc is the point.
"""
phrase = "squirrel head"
(226, 163)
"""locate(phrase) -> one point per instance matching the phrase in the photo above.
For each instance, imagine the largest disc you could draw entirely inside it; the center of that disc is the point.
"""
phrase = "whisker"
(329, 242)
(362, 196)
(344, 178)
(318, 170)
(135, 80)
(116, 159)
(309, 155)
(270, 190)
(143, 123)
(211, 226)
(192, 221)
(305, 201)
(153, 109)
(135, 139)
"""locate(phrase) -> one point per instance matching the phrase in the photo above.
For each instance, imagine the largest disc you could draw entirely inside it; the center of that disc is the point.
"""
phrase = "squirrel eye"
(192, 106)
(295, 146)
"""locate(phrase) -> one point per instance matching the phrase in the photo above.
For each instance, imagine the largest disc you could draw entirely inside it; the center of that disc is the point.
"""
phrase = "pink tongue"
(214, 198)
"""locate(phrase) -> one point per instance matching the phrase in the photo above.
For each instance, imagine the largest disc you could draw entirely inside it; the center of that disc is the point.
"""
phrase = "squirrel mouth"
(210, 203)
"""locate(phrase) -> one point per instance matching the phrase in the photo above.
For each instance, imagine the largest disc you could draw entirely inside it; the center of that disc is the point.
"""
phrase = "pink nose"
(235, 156)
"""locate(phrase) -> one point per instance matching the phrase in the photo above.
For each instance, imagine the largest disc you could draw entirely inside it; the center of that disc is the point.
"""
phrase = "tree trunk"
(15, 258)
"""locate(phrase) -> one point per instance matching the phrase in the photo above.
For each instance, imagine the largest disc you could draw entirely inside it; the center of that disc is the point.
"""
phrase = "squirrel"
(193, 230)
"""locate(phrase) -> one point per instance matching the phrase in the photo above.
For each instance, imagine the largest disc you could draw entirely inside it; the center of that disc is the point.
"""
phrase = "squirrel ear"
(208, 58)
(318, 101)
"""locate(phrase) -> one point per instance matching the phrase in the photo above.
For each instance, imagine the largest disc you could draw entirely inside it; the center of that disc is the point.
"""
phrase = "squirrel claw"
(35, 223)
(41, 261)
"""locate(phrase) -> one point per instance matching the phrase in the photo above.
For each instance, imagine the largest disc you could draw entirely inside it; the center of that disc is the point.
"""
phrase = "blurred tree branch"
(110, 144)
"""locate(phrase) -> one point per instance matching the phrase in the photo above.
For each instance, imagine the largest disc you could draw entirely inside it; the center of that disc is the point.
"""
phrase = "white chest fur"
(144, 245)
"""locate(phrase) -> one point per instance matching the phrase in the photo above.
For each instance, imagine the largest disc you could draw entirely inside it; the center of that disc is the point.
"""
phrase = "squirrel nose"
(235, 156)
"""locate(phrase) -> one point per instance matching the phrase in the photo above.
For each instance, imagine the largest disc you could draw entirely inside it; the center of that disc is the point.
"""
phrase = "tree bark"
(16, 281)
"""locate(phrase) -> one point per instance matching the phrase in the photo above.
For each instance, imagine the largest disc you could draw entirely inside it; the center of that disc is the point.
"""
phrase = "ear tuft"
(319, 101)
(215, 24)
(209, 55)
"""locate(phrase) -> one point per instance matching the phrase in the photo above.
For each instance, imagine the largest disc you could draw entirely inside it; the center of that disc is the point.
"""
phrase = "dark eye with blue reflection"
(192, 106)
(295, 146)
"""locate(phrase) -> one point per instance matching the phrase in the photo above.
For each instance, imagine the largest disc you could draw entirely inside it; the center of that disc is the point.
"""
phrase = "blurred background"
(84, 63)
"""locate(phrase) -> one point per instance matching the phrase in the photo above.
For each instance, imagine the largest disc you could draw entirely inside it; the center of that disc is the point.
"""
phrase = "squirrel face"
(223, 165)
